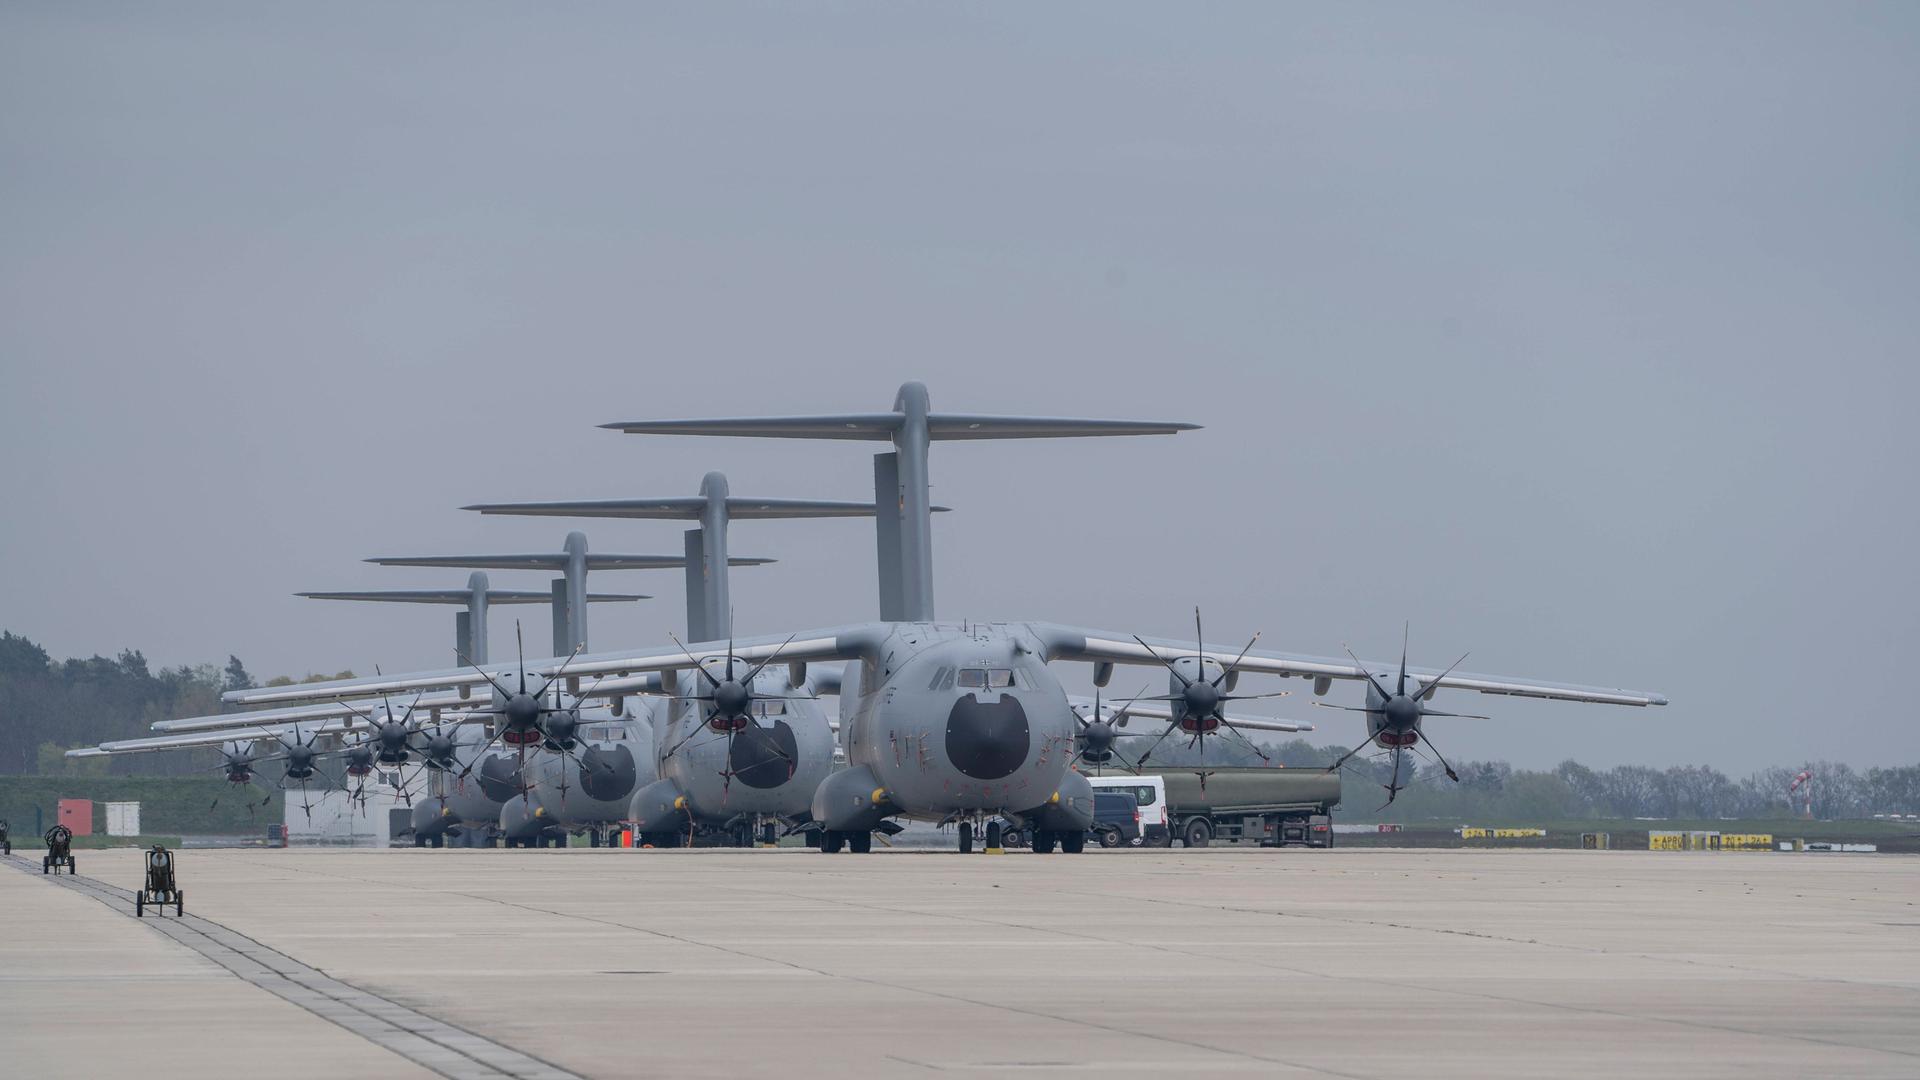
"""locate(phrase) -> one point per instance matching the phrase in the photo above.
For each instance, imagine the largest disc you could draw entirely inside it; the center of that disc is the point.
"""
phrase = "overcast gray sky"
(1580, 336)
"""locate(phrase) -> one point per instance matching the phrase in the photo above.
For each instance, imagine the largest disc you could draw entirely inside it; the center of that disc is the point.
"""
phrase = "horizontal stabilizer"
(461, 596)
(960, 426)
(681, 509)
(555, 562)
(878, 427)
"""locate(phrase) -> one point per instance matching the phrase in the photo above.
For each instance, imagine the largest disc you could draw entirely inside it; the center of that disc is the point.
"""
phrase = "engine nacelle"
(659, 807)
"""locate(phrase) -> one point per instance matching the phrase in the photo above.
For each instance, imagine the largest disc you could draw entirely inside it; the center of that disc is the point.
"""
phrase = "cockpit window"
(986, 678)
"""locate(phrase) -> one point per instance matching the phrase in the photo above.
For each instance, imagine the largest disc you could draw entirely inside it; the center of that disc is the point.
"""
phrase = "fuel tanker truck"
(1270, 807)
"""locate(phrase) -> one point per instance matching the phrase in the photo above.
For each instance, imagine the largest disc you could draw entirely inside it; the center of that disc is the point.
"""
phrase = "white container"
(123, 819)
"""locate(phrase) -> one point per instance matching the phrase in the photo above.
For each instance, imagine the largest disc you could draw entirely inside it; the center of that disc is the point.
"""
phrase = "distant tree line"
(48, 707)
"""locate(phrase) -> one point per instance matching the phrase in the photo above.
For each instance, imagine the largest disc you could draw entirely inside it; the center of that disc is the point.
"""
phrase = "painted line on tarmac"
(430, 1043)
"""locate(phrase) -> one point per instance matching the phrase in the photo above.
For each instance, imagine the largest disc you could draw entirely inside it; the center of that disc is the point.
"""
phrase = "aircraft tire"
(860, 842)
(831, 842)
(966, 838)
(742, 835)
(1043, 841)
(1073, 843)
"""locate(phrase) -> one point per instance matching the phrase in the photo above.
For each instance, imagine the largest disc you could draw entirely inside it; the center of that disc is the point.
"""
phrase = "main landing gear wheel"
(860, 842)
(966, 838)
(994, 833)
(1043, 841)
(831, 842)
(742, 835)
(768, 835)
(1073, 843)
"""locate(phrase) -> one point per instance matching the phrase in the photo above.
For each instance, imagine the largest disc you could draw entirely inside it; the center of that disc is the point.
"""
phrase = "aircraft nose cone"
(522, 712)
(731, 699)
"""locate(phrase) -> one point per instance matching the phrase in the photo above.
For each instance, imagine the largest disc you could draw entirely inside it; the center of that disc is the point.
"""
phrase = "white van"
(1151, 793)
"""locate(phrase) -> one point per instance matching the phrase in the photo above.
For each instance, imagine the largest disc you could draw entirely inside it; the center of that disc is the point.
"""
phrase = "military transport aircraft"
(738, 777)
(944, 721)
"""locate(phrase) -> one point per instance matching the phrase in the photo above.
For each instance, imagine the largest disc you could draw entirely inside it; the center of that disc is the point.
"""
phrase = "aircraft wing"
(197, 739)
(1155, 710)
(301, 714)
(833, 643)
(1075, 643)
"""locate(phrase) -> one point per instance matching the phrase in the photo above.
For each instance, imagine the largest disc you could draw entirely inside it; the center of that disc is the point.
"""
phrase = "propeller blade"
(503, 691)
(1120, 718)
(1199, 645)
(480, 754)
(1460, 715)
(762, 665)
(708, 675)
(1435, 684)
(1251, 745)
(1375, 683)
(1184, 681)
(1406, 631)
(1254, 697)
(520, 645)
(558, 672)
(1230, 668)
(1142, 759)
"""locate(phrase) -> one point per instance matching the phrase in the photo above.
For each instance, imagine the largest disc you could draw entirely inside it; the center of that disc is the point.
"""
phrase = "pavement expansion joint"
(427, 1041)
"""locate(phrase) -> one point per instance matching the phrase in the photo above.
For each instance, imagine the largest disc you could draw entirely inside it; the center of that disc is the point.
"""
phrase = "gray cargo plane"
(738, 773)
(958, 722)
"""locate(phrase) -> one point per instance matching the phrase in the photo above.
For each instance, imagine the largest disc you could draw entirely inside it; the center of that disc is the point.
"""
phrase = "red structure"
(77, 814)
(1801, 790)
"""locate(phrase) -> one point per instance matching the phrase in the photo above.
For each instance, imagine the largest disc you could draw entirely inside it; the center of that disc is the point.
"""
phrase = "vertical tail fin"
(912, 427)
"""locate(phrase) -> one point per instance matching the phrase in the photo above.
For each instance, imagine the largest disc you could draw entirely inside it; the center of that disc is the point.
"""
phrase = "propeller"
(1203, 700)
(1097, 735)
(299, 756)
(525, 715)
(1394, 717)
(729, 705)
